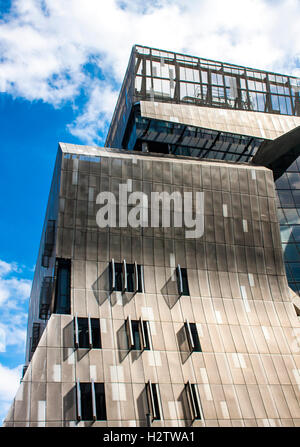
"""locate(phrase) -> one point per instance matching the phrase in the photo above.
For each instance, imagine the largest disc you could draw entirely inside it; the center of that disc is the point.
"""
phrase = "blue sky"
(61, 65)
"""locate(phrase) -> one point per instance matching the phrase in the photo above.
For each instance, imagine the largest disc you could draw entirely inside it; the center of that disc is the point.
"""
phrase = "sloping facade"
(246, 368)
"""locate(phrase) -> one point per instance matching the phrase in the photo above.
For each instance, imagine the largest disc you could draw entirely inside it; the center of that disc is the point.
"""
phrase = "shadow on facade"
(142, 407)
(183, 345)
(68, 340)
(69, 410)
(186, 413)
(170, 299)
(102, 284)
(122, 343)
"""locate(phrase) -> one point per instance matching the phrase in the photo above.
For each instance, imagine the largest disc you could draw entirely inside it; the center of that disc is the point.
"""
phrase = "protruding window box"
(48, 242)
(45, 297)
(63, 286)
(35, 338)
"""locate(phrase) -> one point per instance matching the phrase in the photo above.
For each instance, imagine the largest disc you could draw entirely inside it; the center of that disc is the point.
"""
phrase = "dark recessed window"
(194, 400)
(100, 402)
(87, 333)
(118, 277)
(35, 338)
(182, 281)
(154, 401)
(138, 334)
(192, 336)
(195, 337)
(86, 402)
(134, 278)
(145, 327)
(96, 334)
(130, 277)
(126, 277)
(63, 286)
(91, 401)
(185, 283)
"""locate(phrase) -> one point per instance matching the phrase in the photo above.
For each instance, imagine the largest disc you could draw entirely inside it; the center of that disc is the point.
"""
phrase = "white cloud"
(96, 114)
(11, 286)
(9, 383)
(14, 292)
(6, 268)
(45, 44)
(12, 334)
(14, 288)
(2, 339)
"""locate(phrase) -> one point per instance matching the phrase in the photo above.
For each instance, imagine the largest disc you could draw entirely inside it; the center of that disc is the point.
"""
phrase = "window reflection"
(286, 198)
(290, 252)
(294, 180)
(295, 270)
(296, 233)
(296, 196)
(63, 286)
(285, 233)
(245, 89)
(288, 189)
(292, 216)
(282, 182)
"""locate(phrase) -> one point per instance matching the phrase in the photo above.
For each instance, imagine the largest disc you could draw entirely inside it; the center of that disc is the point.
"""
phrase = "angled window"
(87, 333)
(194, 401)
(35, 338)
(154, 401)
(116, 274)
(185, 283)
(91, 404)
(119, 276)
(63, 286)
(49, 237)
(45, 298)
(112, 275)
(130, 278)
(182, 281)
(138, 334)
(139, 275)
(49, 242)
(45, 261)
(96, 334)
(145, 335)
(135, 278)
(24, 370)
(126, 277)
(192, 336)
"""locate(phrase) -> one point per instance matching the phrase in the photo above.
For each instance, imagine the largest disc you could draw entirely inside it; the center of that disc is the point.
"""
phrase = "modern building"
(146, 321)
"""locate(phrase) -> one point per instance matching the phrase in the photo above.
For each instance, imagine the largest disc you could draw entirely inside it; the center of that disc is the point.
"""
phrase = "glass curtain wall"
(288, 190)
